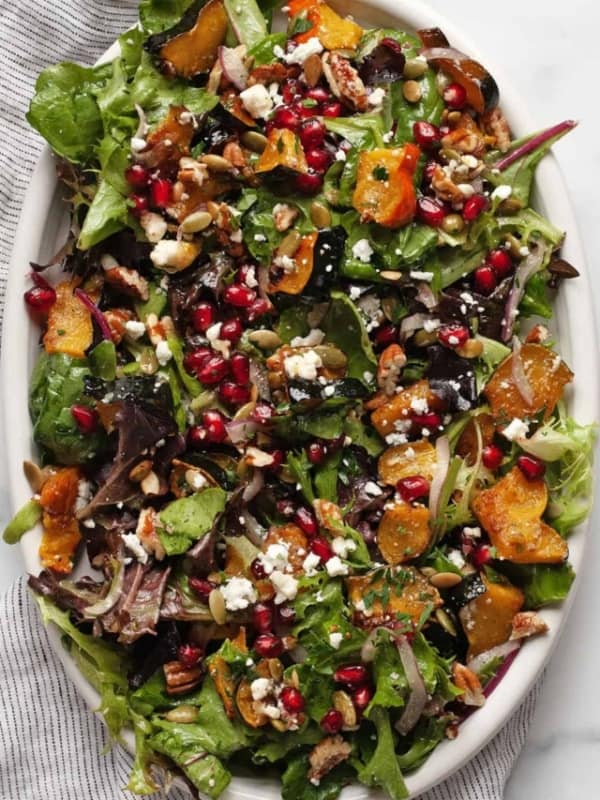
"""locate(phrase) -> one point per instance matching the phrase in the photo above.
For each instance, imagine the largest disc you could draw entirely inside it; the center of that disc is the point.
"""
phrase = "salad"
(306, 472)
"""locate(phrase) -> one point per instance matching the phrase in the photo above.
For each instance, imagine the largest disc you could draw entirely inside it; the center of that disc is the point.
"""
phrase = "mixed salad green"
(297, 403)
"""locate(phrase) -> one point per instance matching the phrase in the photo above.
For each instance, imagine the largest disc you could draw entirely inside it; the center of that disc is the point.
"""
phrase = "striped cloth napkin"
(51, 745)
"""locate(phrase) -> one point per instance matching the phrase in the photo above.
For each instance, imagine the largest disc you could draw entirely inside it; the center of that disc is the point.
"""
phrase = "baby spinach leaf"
(107, 214)
(344, 327)
(159, 15)
(184, 521)
(296, 786)
(263, 50)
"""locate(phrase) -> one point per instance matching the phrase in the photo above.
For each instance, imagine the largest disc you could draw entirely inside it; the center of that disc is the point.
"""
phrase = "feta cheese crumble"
(335, 567)
(133, 544)
(303, 51)
(163, 353)
(238, 594)
(516, 429)
(257, 101)
(135, 329)
(341, 547)
(286, 586)
(362, 250)
(303, 365)
(335, 640)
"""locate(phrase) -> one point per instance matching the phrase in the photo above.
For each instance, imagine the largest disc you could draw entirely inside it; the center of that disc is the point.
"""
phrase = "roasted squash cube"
(398, 408)
(399, 591)
(487, 620)
(61, 534)
(283, 150)
(70, 329)
(220, 672)
(467, 444)
(295, 540)
(403, 533)
(294, 281)
(405, 460)
(385, 191)
(334, 32)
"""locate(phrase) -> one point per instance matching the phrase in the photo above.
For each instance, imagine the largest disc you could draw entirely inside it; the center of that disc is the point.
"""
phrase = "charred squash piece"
(511, 511)
(293, 282)
(191, 46)
(248, 708)
(405, 460)
(70, 329)
(487, 620)
(219, 671)
(61, 534)
(385, 191)
(408, 592)
(334, 32)
(403, 532)
(547, 375)
(398, 408)
(295, 540)
(467, 444)
(168, 142)
(283, 150)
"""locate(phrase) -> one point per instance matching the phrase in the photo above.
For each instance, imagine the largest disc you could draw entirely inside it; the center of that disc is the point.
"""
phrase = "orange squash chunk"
(247, 706)
(410, 593)
(398, 408)
(219, 671)
(294, 282)
(195, 50)
(547, 375)
(70, 328)
(487, 620)
(403, 533)
(385, 191)
(283, 150)
(467, 444)
(511, 511)
(405, 460)
(61, 534)
(334, 32)
(296, 541)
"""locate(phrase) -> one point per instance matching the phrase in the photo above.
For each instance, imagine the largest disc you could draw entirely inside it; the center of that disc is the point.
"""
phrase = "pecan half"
(326, 755)
(344, 81)
(494, 123)
(181, 679)
(391, 363)
(128, 281)
(468, 681)
(527, 623)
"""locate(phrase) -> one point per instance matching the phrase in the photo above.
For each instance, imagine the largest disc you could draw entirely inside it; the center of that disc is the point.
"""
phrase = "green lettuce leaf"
(160, 15)
(344, 327)
(296, 786)
(383, 768)
(184, 521)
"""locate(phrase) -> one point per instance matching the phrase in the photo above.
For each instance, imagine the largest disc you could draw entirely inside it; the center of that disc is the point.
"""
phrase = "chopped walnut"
(326, 755)
(117, 318)
(344, 81)
(466, 137)
(444, 187)
(181, 679)
(234, 153)
(527, 623)
(272, 73)
(391, 363)
(128, 281)
(159, 329)
(468, 681)
(284, 216)
(494, 123)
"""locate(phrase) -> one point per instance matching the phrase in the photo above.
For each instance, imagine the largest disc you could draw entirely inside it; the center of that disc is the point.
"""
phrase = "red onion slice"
(418, 693)
(411, 324)
(240, 430)
(534, 143)
(254, 487)
(426, 295)
(528, 267)
(98, 316)
(518, 373)
(500, 651)
(442, 451)
(234, 69)
(106, 603)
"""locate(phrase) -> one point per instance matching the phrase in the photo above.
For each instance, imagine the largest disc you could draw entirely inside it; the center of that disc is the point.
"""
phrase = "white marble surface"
(549, 50)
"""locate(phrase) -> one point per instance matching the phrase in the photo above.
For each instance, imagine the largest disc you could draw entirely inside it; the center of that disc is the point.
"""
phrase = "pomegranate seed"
(412, 488)
(319, 94)
(85, 418)
(355, 675)
(286, 118)
(214, 425)
(240, 368)
(431, 420)
(285, 615)
(312, 134)
(426, 135)
(361, 697)
(319, 160)
(386, 334)
(258, 308)
(291, 91)
(455, 96)
(474, 206)
(481, 556)
(492, 456)
(213, 370)
(316, 452)
(262, 617)
(430, 211)
(231, 330)
(195, 360)
(309, 182)
(304, 111)
(160, 192)
(531, 467)
(196, 437)
(332, 109)
(203, 317)
(332, 721)
(140, 204)
(267, 645)
(40, 299)
(189, 655)
(501, 263)
(234, 395)
(484, 280)
(320, 547)
(392, 45)
(137, 176)
(429, 170)
(285, 507)
(278, 457)
(292, 700)
(305, 519)
(201, 587)
(239, 296)
(453, 335)
(262, 413)
(258, 570)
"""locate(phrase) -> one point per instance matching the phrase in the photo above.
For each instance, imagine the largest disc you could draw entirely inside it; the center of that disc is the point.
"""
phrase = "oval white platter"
(40, 234)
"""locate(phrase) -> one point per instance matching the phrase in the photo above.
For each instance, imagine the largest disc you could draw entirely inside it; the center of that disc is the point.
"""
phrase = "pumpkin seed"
(196, 222)
(472, 348)
(216, 163)
(389, 306)
(320, 215)
(35, 475)
(331, 356)
(453, 223)
(265, 339)
(183, 714)
(424, 338)
(290, 244)
(342, 702)
(510, 206)
(412, 91)
(295, 679)
(390, 275)
(445, 580)
(415, 67)
(446, 622)
(428, 571)
(216, 605)
(148, 361)
(254, 141)
(139, 472)
(275, 668)
(279, 725)
(454, 117)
